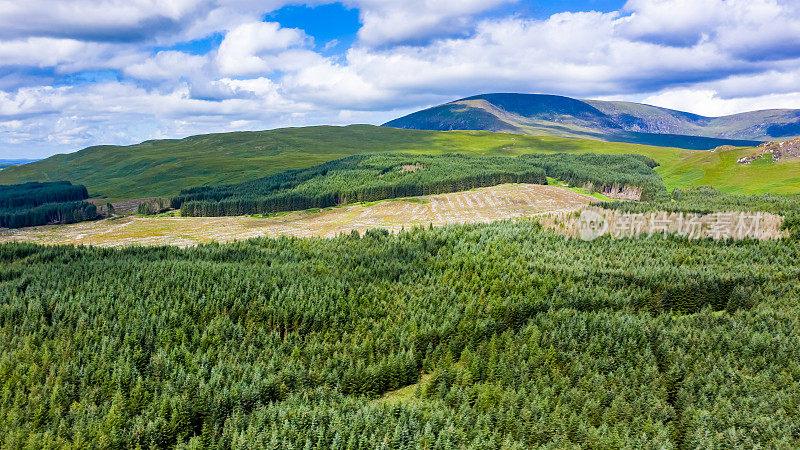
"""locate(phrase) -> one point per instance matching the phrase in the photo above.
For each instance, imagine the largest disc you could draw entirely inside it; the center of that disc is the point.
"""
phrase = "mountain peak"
(617, 121)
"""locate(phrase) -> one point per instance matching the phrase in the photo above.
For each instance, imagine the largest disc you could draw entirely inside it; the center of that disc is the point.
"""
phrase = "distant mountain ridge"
(15, 162)
(616, 121)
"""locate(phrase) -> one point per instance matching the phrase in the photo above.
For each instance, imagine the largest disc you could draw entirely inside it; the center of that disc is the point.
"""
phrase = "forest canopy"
(29, 204)
(491, 336)
(500, 335)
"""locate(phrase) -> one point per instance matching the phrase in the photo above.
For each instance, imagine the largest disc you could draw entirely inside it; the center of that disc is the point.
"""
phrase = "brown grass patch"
(507, 201)
(412, 168)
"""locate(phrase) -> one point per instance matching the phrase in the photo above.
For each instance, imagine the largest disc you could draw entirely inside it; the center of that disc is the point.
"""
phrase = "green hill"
(555, 115)
(165, 167)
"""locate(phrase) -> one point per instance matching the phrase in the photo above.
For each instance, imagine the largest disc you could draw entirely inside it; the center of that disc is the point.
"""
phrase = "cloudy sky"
(75, 73)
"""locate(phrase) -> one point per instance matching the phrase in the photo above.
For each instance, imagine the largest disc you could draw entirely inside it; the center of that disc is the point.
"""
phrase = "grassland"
(554, 182)
(720, 169)
(163, 168)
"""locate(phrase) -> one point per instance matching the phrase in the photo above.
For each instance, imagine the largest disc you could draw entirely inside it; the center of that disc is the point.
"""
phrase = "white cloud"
(168, 65)
(30, 101)
(334, 86)
(759, 84)
(706, 56)
(244, 48)
(48, 52)
(675, 22)
(576, 54)
(750, 29)
(707, 102)
(391, 21)
(96, 19)
(227, 15)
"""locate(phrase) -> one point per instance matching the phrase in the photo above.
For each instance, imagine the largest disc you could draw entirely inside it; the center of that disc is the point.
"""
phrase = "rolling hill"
(559, 116)
(165, 167)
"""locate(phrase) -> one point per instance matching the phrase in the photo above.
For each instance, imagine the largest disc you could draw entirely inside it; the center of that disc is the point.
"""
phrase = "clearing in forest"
(506, 201)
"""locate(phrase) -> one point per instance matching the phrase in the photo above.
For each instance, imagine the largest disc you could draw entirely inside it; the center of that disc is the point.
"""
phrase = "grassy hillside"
(720, 169)
(163, 168)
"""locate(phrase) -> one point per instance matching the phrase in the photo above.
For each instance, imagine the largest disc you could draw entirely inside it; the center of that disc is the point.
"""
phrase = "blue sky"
(75, 73)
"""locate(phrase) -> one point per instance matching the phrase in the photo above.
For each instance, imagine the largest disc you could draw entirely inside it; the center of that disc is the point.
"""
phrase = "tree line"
(492, 336)
(603, 172)
(366, 178)
(28, 195)
(30, 204)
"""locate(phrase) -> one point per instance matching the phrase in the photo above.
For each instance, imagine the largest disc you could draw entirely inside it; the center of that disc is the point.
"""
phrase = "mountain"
(554, 115)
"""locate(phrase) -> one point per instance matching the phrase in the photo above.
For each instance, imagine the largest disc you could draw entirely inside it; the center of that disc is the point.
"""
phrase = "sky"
(76, 73)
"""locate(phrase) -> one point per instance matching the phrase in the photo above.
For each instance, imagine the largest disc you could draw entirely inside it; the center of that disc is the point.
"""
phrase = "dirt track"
(480, 205)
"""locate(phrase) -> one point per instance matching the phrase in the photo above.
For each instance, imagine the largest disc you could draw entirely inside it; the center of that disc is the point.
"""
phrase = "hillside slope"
(555, 115)
(163, 168)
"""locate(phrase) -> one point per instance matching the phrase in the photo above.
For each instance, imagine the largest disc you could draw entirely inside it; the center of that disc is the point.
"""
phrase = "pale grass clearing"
(405, 394)
(508, 201)
(624, 226)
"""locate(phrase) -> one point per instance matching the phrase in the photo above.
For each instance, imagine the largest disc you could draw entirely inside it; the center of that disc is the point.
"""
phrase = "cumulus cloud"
(122, 106)
(67, 55)
(393, 21)
(29, 102)
(706, 56)
(101, 20)
(167, 65)
(41, 52)
(672, 22)
(570, 53)
(750, 29)
(245, 49)
(758, 84)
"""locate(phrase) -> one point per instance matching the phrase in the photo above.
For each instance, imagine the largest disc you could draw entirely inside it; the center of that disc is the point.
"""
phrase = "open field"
(480, 205)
